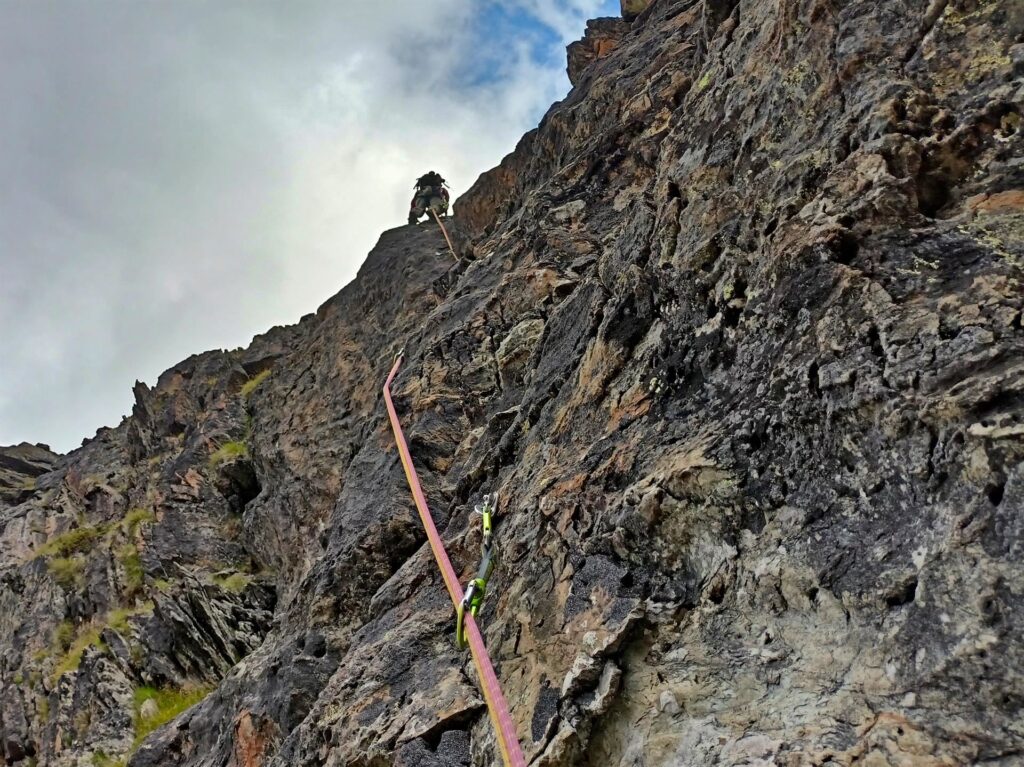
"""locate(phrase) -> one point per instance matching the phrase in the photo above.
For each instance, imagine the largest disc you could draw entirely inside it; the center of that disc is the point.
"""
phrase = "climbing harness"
(477, 588)
(444, 231)
(497, 708)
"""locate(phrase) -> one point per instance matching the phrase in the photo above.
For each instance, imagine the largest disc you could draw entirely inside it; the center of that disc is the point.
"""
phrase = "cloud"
(181, 176)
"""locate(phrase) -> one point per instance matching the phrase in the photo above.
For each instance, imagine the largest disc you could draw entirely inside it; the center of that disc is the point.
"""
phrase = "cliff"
(734, 335)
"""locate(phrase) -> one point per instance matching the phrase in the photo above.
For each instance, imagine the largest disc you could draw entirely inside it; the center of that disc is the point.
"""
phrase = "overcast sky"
(180, 176)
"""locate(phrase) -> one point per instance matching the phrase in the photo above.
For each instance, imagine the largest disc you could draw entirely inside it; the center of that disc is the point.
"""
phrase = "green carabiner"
(477, 588)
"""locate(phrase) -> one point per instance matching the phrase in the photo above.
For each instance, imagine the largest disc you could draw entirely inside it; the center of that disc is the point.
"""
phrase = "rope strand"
(497, 708)
(444, 231)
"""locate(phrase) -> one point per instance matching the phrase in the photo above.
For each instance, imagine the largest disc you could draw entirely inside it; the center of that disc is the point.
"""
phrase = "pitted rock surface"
(736, 341)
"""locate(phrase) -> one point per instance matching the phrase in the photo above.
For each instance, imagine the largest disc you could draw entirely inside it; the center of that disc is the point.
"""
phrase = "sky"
(181, 175)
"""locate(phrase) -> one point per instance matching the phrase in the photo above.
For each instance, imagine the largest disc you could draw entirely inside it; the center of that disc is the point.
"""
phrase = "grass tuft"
(73, 644)
(170, 703)
(67, 571)
(229, 451)
(64, 636)
(236, 583)
(250, 386)
(100, 759)
(72, 659)
(135, 518)
(71, 542)
(131, 563)
(64, 553)
(118, 619)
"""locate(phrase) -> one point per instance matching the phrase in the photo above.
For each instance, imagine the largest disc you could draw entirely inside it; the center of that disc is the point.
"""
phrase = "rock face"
(602, 37)
(20, 465)
(736, 339)
(633, 8)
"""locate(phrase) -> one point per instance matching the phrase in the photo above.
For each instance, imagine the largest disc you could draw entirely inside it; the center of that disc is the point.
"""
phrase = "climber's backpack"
(431, 180)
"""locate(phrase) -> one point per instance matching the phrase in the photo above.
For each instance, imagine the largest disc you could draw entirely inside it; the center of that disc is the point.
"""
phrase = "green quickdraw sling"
(477, 588)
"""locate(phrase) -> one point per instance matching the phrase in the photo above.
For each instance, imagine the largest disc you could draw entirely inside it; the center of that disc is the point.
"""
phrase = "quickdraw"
(477, 588)
(497, 707)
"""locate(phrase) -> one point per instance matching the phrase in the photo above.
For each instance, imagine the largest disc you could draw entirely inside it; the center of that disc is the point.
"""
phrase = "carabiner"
(472, 600)
(476, 589)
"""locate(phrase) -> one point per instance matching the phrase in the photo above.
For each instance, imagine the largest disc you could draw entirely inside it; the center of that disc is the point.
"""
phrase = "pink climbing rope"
(508, 742)
(444, 231)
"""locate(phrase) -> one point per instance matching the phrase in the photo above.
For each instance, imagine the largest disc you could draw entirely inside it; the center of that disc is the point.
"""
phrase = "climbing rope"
(444, 231)
(497, 708)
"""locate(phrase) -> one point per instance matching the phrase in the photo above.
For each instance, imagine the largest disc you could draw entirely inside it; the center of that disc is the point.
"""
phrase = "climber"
(430, 194)
(477, 588)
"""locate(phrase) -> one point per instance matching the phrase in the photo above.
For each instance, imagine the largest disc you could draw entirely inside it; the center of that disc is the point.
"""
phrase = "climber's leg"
(419, 207)
(438, 206)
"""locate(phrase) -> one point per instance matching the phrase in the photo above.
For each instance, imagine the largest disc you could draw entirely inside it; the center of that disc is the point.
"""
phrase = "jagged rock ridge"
(735, 336)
